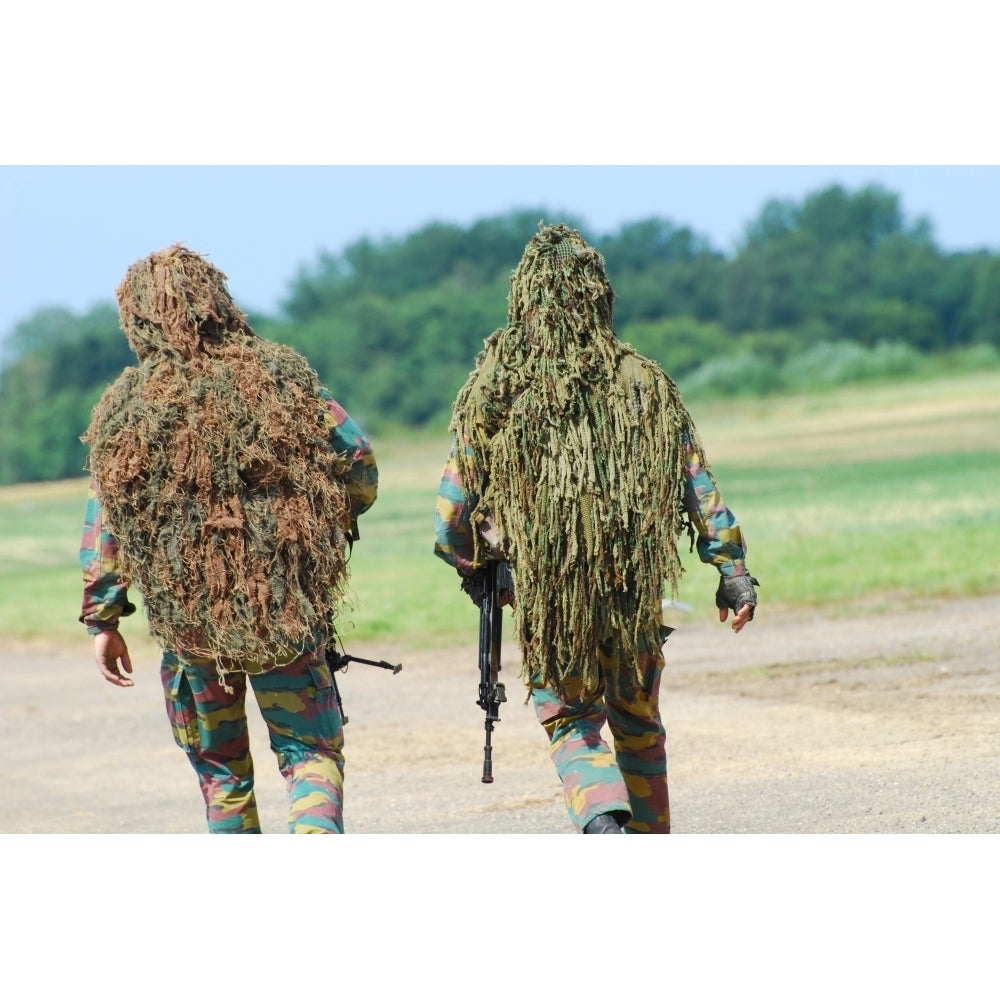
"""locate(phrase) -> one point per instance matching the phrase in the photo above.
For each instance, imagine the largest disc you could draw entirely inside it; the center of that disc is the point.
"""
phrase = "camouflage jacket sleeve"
(720, 539)
(105, 592)
(453, 541)
(346, 438)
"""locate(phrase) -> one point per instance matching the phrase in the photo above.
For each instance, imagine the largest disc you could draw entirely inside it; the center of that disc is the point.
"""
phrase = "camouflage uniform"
(295, 695)
(632, 779)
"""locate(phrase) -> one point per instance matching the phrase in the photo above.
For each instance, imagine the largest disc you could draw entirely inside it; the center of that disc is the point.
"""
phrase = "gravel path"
(884, 723)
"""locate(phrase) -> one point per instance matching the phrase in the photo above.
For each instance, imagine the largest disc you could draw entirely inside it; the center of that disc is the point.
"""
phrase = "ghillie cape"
(574, 445)
(215, 473)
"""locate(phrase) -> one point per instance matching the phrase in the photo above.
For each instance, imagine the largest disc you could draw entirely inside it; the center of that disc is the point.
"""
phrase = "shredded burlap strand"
(583, 440)
(215, 473)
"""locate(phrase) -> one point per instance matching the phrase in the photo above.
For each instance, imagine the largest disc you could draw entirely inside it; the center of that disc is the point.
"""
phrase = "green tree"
(679, 344)
(769, 285)
(984, 306)
(58, 365)
(394, 268)
(833, 216)
(954, 299)
(777, 219)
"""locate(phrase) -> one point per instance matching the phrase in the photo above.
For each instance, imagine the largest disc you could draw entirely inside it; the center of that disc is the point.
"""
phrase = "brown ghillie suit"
(215, 473)
(577, 451)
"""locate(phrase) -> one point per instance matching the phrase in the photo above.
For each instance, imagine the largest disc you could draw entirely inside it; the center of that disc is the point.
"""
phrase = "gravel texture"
(882, 722)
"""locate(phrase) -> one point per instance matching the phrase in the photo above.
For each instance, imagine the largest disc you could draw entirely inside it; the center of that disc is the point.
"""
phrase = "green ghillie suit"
(575, 447)
(214, 471)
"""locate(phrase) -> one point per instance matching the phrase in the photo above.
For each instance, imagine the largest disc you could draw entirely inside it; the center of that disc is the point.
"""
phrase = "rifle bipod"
(338, 661)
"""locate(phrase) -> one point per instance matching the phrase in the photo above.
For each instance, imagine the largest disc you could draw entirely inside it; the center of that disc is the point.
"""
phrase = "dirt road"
(883, 723)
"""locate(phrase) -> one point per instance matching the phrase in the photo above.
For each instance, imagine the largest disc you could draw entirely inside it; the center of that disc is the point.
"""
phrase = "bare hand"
(109, 651)
(739, 620)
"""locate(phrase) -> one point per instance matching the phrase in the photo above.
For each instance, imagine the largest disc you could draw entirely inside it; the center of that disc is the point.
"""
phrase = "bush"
(841, 362)
(741, 375)
(976, 358)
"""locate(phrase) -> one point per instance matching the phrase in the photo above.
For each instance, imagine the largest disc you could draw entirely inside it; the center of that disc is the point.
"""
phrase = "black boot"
(605, 823)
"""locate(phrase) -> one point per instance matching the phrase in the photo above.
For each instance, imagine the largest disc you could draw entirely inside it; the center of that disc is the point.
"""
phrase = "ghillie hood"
(215, 473)
(175, 304)
(575, 446)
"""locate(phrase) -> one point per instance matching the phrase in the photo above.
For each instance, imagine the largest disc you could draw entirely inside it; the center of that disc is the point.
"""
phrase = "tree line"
(835, 288)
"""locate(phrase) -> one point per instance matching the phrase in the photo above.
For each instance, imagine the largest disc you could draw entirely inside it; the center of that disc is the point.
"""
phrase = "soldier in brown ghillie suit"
(226, 486)
(575, 460)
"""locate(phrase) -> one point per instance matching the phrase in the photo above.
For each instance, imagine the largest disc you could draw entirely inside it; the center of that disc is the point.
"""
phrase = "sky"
(70, 232)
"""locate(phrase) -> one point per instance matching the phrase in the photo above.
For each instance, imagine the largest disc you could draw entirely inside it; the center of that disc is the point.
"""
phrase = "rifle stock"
(491, 689)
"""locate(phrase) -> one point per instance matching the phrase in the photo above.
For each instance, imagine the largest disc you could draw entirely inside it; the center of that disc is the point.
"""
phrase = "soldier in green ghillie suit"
(575, 460)
(226, 487)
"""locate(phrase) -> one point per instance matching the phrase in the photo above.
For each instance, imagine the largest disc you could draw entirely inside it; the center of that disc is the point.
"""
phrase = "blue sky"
(69, 232)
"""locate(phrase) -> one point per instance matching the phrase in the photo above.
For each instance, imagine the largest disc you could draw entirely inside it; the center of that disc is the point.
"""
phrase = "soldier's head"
(559, 278)
(175, 302)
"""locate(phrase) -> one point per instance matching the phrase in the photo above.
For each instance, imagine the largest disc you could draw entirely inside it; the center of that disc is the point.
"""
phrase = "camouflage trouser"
(299, 707)
(632, 780)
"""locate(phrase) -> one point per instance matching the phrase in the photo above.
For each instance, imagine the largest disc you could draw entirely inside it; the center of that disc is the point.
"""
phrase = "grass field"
(849, 500)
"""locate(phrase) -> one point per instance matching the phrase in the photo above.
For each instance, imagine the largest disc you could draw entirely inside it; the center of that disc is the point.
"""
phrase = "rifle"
(338, 661)
(491, 690)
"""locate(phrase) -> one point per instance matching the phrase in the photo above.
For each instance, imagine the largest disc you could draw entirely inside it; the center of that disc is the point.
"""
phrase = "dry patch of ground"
(801, 724)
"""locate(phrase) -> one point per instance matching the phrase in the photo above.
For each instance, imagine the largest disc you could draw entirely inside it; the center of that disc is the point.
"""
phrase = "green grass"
(40, 580)
(872, 532)
(403, 590)
(850, 500)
